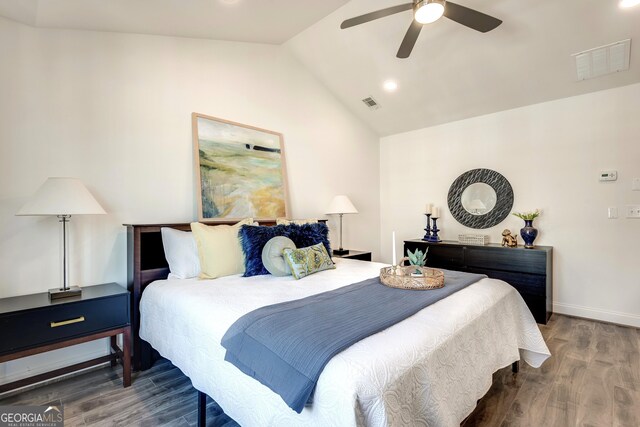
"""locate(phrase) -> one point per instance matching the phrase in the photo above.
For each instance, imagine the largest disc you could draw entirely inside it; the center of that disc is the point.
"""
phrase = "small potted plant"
(528, 232)
(417, 258)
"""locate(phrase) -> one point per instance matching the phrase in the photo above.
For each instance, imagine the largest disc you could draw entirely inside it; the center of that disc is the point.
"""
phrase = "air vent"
(371, 103)
(599, 61)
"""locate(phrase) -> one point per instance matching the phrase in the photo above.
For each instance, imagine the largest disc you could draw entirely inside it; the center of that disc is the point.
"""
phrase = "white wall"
(114, 110)
(551, 153)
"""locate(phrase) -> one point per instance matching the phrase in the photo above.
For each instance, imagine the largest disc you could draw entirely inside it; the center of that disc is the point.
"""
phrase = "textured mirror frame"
(499, 184)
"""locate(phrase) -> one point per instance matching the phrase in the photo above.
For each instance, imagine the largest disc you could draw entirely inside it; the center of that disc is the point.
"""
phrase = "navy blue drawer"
(33, 328)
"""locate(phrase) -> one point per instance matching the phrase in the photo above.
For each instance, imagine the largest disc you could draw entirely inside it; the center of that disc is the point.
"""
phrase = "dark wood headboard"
(146, 263)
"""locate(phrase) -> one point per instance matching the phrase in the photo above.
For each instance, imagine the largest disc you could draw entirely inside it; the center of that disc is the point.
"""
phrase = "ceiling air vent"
(603, 60)
(371, 103)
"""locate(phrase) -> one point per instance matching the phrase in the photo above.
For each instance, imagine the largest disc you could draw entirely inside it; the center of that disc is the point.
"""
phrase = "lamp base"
(340, 251)
(58, 293)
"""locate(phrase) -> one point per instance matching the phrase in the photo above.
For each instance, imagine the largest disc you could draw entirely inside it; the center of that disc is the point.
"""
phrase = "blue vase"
(528, 233)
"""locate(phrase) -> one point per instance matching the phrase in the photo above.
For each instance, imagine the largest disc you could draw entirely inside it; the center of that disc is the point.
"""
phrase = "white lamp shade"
(62, 196)
(341, 205)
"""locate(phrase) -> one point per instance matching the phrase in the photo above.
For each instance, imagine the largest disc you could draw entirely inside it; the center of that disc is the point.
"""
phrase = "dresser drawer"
(538, 306)
(23, 330)
(445, 256)
(520, 260)
(531, 284)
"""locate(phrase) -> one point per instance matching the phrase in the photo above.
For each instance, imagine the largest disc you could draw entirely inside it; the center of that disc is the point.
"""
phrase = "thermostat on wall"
(608, 175)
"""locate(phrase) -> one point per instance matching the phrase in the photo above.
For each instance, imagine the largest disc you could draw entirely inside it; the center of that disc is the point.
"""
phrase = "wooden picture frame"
(240, 171)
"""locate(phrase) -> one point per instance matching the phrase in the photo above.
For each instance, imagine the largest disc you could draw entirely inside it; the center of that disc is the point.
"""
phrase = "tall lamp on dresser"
(62, 197)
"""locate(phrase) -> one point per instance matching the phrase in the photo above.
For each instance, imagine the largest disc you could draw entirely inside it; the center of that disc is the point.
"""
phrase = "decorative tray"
(411, 277)
(473, 239)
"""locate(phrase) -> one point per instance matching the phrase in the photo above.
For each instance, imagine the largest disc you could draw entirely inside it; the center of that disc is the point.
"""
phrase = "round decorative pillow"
(272, 255)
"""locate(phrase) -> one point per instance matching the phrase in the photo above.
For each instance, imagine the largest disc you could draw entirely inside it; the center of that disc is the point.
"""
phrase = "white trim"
(597, 314)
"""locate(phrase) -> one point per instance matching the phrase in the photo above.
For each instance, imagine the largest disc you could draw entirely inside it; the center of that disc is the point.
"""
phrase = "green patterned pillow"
(309, 260)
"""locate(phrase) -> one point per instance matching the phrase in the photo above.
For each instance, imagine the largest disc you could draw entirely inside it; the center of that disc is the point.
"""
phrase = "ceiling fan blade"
(470, 18)
(409, 39)
(375, 15)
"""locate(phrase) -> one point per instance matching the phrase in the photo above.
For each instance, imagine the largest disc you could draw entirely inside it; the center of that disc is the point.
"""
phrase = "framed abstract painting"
(240, 171)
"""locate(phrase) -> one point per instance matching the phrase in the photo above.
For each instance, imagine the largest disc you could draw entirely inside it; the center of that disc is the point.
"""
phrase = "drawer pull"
(67, 322)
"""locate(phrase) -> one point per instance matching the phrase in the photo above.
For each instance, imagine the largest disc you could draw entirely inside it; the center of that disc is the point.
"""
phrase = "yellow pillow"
(219, 249)
(284, 221)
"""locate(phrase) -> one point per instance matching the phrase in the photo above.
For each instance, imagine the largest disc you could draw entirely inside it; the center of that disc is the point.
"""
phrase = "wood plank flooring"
(592, 380)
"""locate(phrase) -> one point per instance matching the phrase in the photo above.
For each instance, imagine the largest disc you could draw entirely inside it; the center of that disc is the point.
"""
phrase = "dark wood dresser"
(530, 271)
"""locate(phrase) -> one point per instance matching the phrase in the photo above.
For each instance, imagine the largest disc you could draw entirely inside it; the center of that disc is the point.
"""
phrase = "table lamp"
(62, 197)
(341, 205)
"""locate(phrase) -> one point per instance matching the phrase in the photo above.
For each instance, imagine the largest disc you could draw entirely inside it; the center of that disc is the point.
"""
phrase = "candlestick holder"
(434, 231)
(427, 230)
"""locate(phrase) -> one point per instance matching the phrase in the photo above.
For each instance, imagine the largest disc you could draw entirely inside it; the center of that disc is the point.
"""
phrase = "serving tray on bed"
(411, 277)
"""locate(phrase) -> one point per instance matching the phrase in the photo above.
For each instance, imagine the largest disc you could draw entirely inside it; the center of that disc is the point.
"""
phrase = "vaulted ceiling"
(258, 21)
(453, 72)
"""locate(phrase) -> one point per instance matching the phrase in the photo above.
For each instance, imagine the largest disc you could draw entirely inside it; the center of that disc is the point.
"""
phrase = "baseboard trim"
(596, 314)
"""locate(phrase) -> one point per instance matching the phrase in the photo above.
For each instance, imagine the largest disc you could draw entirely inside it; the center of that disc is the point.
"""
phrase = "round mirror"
(480, 198)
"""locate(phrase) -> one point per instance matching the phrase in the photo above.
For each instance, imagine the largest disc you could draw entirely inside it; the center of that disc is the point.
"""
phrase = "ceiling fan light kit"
(625, 4)
(424, 12)
(428, 11)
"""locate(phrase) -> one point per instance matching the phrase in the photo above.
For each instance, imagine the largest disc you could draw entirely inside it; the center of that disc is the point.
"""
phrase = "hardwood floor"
(592, 379)
(161, 396)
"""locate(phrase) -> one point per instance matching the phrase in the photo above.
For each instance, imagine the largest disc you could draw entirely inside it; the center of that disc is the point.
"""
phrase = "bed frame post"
(515, 367)
(202, 409)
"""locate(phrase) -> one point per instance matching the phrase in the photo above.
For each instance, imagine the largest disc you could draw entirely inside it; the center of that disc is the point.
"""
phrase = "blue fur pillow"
(309, 234)
(253, 238)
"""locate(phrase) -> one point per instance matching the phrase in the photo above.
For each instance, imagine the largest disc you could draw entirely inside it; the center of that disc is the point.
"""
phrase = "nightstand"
(32, 324)
(359, 255)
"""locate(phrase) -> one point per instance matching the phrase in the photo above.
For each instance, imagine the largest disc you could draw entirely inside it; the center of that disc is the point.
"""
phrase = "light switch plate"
(612, 213)
(635, 186)
(633, 211)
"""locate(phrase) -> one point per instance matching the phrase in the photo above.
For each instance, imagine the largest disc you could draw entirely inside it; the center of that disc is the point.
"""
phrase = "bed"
(429, 369)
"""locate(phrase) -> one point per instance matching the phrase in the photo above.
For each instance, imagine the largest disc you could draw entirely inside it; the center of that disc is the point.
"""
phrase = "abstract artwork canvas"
(240, 171)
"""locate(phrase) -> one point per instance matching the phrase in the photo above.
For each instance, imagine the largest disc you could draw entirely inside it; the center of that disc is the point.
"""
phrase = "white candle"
(393, 245)
(428, 208)
(435, 212)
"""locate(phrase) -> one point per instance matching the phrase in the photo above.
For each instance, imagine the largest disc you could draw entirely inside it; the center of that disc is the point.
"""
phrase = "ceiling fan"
(426, 12)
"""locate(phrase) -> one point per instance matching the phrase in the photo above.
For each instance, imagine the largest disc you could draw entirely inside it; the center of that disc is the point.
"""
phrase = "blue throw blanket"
(285, 346)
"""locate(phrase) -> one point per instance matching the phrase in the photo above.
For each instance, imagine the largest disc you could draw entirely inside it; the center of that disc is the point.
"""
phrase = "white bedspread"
(429, 369)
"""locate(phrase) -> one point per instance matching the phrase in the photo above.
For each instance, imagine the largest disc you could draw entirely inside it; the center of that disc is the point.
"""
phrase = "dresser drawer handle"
(67, 322)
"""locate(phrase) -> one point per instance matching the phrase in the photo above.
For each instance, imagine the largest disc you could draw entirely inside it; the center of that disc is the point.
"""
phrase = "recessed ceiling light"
(628, 3)
(229, 2)
(390, 86)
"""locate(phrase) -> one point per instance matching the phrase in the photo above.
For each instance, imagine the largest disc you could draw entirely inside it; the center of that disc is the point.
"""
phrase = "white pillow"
(181, 252)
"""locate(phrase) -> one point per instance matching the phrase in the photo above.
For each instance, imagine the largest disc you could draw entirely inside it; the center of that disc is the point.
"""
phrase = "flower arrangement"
(527, 216)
